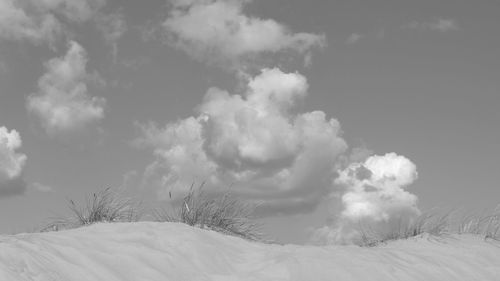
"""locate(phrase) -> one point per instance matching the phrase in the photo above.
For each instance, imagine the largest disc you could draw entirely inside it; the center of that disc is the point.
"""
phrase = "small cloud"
(354, 38)
(440, 25)
(135, 62)
(11, 163)
(41, 187)
(62, 103)
(445, 25)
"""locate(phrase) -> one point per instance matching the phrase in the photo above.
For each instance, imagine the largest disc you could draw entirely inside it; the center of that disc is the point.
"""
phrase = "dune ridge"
(174, 251)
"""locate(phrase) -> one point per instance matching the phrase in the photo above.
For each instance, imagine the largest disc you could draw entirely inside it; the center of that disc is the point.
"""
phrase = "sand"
(172, 251)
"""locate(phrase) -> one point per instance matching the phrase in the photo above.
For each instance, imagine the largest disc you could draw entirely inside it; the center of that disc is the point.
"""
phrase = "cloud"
(40, 187)
(62, 103)
(112, 27)
(18, 24)
(354, 38)
(73, 10)
(219, 31)
(253, 142)
(440, 25)
(130, 179)
(11, 163)
(38, 20)
(374, 195)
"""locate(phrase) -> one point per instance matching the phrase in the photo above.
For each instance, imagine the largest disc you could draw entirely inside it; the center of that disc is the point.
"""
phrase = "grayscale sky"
(304, 107)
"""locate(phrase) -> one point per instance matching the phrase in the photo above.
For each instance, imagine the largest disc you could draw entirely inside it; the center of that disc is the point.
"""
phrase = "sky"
(323, 113)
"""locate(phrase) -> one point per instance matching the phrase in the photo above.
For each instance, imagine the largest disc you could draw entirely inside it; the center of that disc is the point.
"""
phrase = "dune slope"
(171, 251)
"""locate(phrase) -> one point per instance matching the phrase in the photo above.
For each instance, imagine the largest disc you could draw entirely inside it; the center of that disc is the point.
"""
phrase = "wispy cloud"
(130, 179)
(440, 25)
(112, 27)
(354, 38)
(40, 187)
(38, 21)
(11, 163)
(62, 103)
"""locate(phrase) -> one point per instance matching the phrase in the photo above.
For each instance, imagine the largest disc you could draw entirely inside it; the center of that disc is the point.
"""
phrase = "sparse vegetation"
(486, 224)
(437, 224)
(433, 223)
(223, 213)
(227, 214)
(102, 206)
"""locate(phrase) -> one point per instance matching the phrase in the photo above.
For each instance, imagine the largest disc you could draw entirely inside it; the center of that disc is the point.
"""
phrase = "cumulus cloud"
(440, 25)
(62, 103)
(11, 163)
(374, 195)
(38, 20)
(252, 142)
(218, 30)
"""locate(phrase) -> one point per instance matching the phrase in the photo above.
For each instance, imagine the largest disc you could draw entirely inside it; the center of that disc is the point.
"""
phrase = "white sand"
(170, 251)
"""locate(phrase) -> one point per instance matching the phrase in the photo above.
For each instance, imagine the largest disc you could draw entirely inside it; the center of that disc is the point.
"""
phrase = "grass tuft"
(432, 223)
(224, 213)
(437, 224)
(486, 224)
(102, 206)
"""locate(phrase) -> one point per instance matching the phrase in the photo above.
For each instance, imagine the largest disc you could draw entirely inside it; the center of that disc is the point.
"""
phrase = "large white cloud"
(39, 20)
(62, 103)
(252, 142)
(218, 30)
(11, 163)
(373, 197)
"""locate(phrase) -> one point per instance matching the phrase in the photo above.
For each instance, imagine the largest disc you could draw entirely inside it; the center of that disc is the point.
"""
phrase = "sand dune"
(171, 251)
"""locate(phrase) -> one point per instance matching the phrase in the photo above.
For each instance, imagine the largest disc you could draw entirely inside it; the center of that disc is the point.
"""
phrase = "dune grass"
(436, 224)
(486, 224)
(103, 206)
(433, 223)
(223, 213)
(227, 214)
